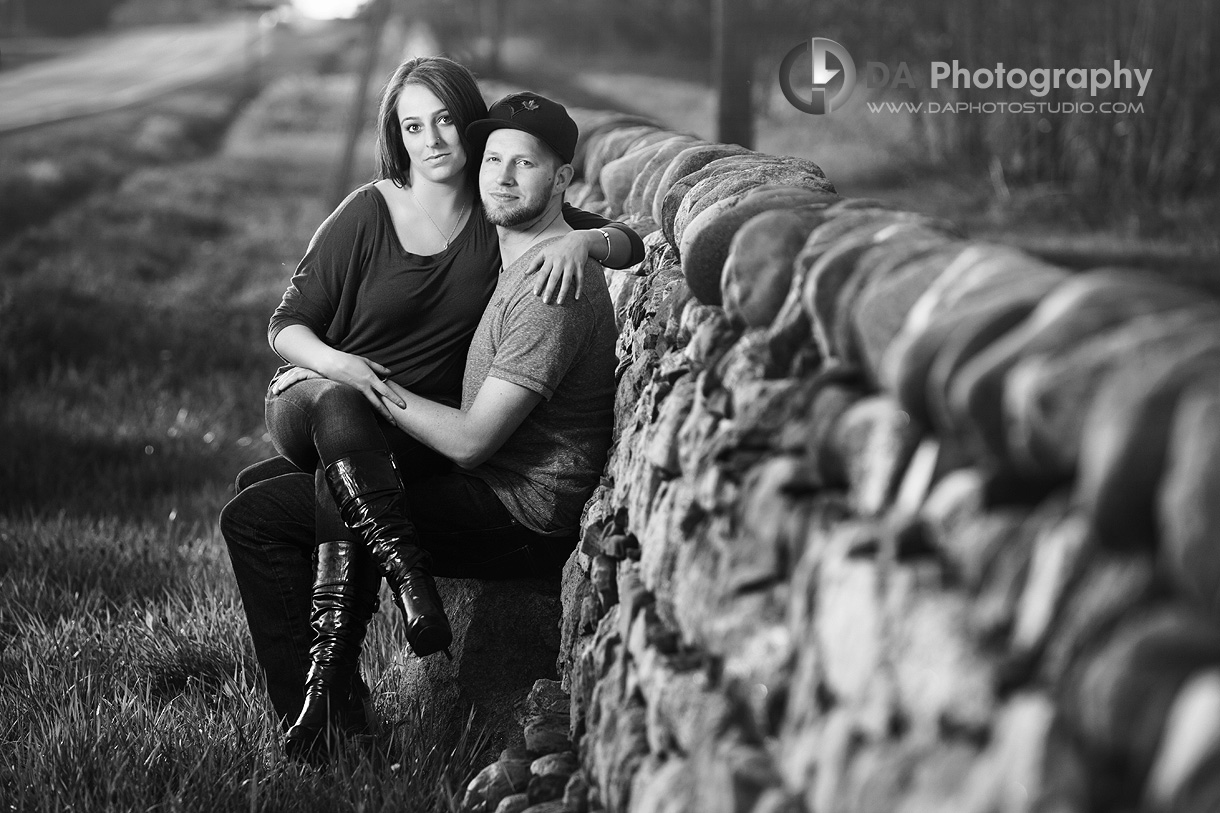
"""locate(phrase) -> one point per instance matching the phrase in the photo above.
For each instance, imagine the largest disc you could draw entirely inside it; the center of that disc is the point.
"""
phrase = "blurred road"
(128, 68)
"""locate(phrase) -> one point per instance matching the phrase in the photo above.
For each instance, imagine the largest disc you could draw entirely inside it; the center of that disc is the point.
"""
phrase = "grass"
(133, 363)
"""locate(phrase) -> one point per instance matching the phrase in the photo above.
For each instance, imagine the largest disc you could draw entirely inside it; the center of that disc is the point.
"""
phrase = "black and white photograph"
(654, 406)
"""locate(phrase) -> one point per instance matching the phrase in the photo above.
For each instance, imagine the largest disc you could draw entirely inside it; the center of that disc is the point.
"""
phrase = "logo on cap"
(528, 104)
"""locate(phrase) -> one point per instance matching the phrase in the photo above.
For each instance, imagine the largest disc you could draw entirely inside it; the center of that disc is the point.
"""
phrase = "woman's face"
(430, 136)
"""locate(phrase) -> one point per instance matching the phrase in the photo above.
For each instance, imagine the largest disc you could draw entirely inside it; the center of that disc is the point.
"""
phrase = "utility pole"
(733, 72)
(341, 183)
(493, 14)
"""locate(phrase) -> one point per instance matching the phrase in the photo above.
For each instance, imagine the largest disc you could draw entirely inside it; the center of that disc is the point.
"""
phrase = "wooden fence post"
(342, 179)
(733, 72)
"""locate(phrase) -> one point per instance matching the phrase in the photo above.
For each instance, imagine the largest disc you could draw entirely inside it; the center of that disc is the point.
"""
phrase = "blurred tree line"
(72, 17)
(1168, 151)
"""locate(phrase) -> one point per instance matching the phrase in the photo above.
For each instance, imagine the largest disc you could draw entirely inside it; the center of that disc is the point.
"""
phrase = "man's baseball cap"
(533, 114)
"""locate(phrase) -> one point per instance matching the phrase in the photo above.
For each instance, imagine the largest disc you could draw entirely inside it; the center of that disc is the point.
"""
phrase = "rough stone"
(757, 272)
(591, 663)
(667, 787)
(515, 803)
(594, 125)
(969, 333)
(610, 145)
(1062, 548)
(556, 806)
(887, 298)
(1048, 396)
(562, 763)
(1126, 435)
(546, 788)
(1120, 698)
(1078, 308)
(698, 184)
(961, 321)
(710, 341)
(618, 746)
(884, 250)
(547, 735)
(704, 244)
(848, 620)
(547, 697)
(576, 793)
(1030, 765)
(739, 175)
(662, 444)
(1188, 513)
(663, 535)
(688, 161)
(495, 782)
(506, 636)
(872, 442)
(619, 174)
(575, 589)
(1110, 588)
(1192, 735)
(684, 708)
(774, 513)
(644, 187)
(977, 274)
(943, 680)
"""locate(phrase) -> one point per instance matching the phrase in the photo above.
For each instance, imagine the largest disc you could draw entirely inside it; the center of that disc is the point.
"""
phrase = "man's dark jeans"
(269, 530)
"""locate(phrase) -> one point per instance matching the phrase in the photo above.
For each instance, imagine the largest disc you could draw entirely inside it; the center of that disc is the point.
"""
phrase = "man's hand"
(356, 372)
(560, 265)
(467, 437)
(298, 345)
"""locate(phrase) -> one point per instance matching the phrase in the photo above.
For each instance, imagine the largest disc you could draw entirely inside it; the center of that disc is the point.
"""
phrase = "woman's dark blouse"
(359, 291)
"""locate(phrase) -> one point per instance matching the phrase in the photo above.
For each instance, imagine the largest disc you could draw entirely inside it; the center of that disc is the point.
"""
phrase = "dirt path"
(128, 68)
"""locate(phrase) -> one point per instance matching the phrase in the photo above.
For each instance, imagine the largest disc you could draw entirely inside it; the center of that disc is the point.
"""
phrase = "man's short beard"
(522, 213)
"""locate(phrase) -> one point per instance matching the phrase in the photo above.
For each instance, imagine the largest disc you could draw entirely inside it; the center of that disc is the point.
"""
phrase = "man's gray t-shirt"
(547, 469)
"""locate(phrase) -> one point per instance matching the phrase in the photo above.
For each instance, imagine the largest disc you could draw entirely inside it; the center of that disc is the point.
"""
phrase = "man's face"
(518, 178)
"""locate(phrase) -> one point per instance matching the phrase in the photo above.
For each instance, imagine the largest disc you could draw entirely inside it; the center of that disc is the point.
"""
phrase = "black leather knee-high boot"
(371, 502)
(342, 607)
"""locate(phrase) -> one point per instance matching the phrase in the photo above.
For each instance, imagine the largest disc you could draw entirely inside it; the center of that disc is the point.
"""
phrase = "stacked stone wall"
(894, 520)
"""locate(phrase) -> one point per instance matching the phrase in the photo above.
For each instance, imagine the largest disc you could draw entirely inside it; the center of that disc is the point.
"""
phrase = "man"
(529, 441)
(537, 398)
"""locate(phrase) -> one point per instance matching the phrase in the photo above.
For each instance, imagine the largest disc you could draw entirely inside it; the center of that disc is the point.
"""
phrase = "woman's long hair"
(457, 90)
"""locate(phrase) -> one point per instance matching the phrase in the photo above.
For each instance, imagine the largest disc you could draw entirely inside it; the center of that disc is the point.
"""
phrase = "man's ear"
(563, 177)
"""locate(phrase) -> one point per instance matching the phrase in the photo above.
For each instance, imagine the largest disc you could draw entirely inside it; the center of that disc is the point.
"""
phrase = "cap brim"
(478, 131)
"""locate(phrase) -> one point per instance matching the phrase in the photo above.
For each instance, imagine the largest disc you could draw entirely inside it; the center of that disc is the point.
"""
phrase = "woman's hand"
(292, 376)
(364, 375)
(354, 371)
(298, 345)
(561, 265)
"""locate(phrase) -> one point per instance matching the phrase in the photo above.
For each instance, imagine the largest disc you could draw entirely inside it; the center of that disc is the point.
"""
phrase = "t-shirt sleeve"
(313, 294)
(539, 342)
(580, 219)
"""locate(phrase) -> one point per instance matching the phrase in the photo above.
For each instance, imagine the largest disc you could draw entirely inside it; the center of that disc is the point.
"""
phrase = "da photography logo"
(820, 50)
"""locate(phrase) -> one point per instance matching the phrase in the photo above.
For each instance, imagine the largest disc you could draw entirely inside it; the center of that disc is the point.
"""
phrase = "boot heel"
(430, 640)
(427, 627)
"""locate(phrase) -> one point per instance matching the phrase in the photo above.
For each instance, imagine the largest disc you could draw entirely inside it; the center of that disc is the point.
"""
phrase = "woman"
(391, 288)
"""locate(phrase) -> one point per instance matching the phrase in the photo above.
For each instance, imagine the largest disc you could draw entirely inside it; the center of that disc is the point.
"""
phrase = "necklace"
(456, 223)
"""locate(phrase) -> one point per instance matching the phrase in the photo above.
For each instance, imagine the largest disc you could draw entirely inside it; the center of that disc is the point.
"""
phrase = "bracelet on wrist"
(609, 248)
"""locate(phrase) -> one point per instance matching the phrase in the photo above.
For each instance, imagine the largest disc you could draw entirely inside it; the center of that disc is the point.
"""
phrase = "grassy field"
(132, 365)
